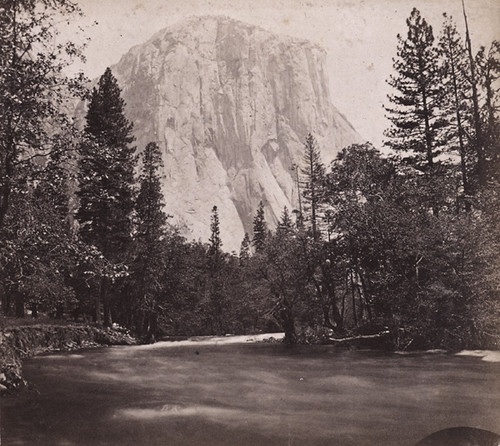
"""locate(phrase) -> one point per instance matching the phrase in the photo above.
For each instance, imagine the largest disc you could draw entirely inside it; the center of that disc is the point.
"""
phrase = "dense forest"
(403, 241)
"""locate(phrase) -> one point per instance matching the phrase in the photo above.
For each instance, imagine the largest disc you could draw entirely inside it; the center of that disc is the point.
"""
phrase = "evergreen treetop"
(259, 229)
(215, 240)
(285, 224)
(105, 118)
(487, 62)
(456, 103)
(313, 173)
(415, 110)
(106, 174)
(151, 219)
(245, 249)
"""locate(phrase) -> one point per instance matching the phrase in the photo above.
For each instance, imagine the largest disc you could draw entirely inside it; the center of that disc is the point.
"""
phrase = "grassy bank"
(20, 339)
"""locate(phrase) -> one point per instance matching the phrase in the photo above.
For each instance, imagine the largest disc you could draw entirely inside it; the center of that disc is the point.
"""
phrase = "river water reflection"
(215, 393)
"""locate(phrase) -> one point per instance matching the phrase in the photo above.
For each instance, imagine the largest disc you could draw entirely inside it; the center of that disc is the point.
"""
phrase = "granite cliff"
(230, 105)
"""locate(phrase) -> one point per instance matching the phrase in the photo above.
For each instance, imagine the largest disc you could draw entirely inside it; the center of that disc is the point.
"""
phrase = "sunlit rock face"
(230, 105)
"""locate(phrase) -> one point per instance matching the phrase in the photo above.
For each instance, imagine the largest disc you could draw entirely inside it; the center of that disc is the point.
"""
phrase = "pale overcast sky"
(358, 35)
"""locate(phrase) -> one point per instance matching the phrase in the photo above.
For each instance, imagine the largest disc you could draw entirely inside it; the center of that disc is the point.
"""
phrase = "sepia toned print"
(225, 223)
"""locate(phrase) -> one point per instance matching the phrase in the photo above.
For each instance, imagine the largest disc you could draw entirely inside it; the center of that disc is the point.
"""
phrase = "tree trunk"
(6, 302)
(456, 99)
(98, 319)
(288, 324)
(353, 296)
(428, 135)
(59, 312)
(478, 140)
(362, 294)
(19, 300)
(105, 303)
(152, 328)
(332, 306)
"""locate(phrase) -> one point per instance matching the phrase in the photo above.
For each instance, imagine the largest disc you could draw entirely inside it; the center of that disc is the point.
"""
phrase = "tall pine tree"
(215, 242)
(147, 269)
(415, 110)
(457, 89)
(215, 282)
(106, 179)
(313, 173)
(488, 68)
(478, 135)
(285, 224)
(245, 249)
(151, 218)
(259, 229)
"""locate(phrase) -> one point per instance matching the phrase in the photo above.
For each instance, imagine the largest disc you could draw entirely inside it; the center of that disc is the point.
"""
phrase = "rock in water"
(461, 436)
(230, 105)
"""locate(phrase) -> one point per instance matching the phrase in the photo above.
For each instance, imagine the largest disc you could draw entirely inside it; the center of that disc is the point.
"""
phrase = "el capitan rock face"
(230, 105)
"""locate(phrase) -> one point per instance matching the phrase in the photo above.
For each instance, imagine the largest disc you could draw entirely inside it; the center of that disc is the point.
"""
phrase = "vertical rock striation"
(230, 105)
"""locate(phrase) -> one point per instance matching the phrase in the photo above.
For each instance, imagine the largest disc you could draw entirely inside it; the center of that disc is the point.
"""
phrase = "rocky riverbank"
(18, 343)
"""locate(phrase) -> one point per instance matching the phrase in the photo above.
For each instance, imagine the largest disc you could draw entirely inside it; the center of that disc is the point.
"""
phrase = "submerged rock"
(461, 436)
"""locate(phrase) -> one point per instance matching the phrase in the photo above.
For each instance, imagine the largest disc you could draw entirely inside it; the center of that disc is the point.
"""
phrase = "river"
(224, 391)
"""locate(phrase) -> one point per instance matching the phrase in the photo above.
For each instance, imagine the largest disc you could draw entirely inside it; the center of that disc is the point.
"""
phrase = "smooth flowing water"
(228, 393)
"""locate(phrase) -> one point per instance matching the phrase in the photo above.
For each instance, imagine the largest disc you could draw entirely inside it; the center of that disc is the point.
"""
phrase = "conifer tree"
(415, 111)
(106, 178)
(488, 68)
(477, 137)
(313, 172)
(245, 249)
(214, 240)
(456, 88)
(285, 224)
(259, 229)
(215, 277)
(151, 218)
(150, 231)
(106, 170)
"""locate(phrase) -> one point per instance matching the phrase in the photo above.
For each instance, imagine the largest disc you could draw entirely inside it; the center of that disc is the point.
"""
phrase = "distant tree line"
(406, 244)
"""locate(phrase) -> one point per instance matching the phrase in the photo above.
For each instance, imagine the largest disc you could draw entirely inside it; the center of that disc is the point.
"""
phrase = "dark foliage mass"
(403, 246)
